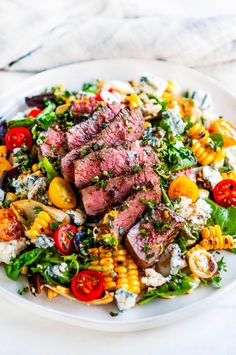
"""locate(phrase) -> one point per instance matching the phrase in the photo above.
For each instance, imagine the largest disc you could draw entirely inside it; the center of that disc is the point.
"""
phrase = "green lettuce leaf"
(225, 217)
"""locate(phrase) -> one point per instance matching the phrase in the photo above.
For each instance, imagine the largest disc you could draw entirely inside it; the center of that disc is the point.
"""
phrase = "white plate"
(158, 312)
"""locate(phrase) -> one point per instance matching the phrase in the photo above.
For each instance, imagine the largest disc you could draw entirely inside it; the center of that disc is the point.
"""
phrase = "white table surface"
(210, 332)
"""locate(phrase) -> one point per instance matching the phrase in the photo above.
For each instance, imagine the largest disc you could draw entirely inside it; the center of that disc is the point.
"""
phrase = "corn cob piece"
(211, 232)
(218, 243)
(40, 225)
(122, 270)
(201, 145)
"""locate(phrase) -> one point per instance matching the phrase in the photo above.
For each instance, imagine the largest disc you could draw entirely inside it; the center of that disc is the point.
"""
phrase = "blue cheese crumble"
(31, 187)
(44, 242)
(56, 271)
(153, 278)
(9, 250)
(125, 299)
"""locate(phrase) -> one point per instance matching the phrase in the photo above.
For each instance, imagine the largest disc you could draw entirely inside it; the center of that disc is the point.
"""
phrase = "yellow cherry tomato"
(61, 194)
(183, 186)
(4, 165)
(226, 129)
(202, 264)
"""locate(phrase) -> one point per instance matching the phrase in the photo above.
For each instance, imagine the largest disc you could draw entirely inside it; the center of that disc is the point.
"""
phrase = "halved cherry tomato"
(4, 165)
(61, 194)
(183, 186)
(63, 238)
(202, 264)
(18, 136)
(225, 193)
(88, 285)
(34, 112)
(226, 129)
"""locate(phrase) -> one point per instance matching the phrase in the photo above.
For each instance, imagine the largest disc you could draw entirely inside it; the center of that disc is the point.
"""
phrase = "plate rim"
(108, 325)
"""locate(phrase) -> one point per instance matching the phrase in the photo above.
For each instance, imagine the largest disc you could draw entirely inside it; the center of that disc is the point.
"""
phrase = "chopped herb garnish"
(114, 314)
(95, 179)
(23, 290)
(37, 210)
(146, 248)
(54, 225)
(137, 168)
(149, 256)
(143, 231)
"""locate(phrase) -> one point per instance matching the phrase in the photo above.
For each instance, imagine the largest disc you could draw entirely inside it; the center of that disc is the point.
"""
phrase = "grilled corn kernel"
(51, 294)
(229, 175)
(218, 243)
(133, 100)
(63, 290)
(211, 231)
(123, 270)
(40, 225)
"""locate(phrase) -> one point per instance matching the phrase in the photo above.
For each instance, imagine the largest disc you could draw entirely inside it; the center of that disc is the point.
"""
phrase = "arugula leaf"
(175, 154)
(44, 120)
(88, 87)
(26, 258)
(180, 284)
(225, 217)
(216, 279)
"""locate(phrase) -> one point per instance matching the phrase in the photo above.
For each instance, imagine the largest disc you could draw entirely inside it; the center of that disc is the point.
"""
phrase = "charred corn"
(40, 225)
(211, 232)
(123, 272)
(51, 294)
(218, 243)
(201, 145)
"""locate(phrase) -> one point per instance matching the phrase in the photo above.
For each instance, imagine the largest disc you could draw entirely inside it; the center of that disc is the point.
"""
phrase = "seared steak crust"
(97, 199)
(112, 162)
(146, 240)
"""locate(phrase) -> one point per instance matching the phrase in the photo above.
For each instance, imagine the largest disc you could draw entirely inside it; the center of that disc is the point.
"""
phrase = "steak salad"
(119, 192)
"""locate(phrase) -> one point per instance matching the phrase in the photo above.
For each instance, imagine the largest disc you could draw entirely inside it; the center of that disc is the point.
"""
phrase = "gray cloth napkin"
(44, 34)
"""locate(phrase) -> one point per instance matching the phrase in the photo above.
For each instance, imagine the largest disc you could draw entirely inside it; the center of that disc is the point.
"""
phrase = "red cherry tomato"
(18, 136)
(34, 112)
(225, 193)
(63, 238)
(88, 285)
(107, 96)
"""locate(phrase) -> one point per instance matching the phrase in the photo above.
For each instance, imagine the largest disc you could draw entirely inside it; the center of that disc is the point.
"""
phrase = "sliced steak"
(146, 240)
(97, 199)
(119, 221)
(53, 145)
(112, 162)
(83, 132)
(127, 126)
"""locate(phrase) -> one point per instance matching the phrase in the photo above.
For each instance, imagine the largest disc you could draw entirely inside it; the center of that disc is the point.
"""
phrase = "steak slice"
(53, 145)
(83, 132)
(146, 240)
(113, 162)
(118, 221)
(97, 199)
(127, 126)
